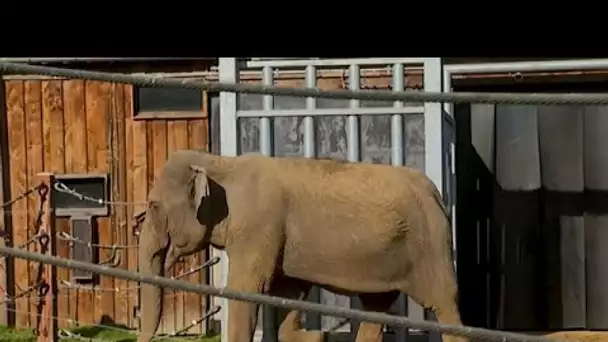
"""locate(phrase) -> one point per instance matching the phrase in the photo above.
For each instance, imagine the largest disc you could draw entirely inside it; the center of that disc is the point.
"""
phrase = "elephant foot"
(302, 336)
(450, 338)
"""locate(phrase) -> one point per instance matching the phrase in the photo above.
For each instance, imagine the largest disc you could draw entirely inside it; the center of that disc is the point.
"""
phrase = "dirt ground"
(586, 336)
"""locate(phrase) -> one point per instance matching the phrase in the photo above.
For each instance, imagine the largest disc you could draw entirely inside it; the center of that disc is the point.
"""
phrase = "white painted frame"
(229, 113)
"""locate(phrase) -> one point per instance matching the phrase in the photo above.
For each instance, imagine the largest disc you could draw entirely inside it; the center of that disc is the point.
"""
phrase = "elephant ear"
(200, 184)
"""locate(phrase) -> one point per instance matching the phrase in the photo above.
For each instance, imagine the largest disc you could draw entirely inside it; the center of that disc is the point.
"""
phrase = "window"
(159, 103)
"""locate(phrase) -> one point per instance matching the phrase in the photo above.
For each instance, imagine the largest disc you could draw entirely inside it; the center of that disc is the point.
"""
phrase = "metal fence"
(229, 130)
(47, 289)
(386, 132)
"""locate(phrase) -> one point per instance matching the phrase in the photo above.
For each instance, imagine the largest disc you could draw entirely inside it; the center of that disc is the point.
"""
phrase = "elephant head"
(184, 206)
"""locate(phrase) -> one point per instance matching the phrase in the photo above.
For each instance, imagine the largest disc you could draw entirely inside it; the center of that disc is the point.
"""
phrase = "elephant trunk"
(170, 259)
(152, 253)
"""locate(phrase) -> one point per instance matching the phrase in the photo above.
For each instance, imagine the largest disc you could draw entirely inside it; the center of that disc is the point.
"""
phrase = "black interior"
(536, 285)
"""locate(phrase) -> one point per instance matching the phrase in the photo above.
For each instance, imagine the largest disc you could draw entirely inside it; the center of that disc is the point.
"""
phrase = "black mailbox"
(81, 197)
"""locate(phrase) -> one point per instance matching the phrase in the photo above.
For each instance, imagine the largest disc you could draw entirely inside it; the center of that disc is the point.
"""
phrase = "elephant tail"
(440, 203)
(446, 213)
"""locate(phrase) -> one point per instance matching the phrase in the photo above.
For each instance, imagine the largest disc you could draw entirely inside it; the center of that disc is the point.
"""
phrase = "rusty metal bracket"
(42, 237)
(43, 290)
(46, 306)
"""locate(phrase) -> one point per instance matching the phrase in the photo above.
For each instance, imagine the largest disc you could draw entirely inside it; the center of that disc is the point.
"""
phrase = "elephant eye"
(153, 205)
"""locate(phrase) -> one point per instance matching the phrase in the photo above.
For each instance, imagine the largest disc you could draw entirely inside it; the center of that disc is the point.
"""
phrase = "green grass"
(8, 334)
(14, 335)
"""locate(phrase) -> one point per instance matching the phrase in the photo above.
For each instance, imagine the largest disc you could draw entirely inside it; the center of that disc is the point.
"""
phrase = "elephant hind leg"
(380, 302)
(435, 288)
(448, 313)
(290, 329)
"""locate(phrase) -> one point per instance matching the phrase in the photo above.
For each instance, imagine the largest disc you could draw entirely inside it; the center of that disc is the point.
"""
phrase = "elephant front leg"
(243, 319)
(243, 316)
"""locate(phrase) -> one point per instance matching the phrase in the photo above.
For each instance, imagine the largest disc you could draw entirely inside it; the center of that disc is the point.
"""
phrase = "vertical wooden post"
(5, 283)
(47, 330)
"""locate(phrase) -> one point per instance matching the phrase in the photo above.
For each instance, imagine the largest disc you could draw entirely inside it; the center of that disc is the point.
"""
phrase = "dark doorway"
(532, 223)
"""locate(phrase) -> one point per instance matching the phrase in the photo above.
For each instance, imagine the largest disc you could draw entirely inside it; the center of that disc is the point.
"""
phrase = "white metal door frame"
(433, 118)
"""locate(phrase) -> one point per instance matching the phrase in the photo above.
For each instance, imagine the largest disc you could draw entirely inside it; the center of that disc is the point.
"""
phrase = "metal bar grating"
(354, 111)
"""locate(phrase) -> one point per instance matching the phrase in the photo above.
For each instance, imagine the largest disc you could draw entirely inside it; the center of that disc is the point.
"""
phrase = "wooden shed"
(81, 127)
(69, 126)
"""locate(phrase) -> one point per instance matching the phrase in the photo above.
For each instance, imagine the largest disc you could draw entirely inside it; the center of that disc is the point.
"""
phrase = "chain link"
(192, 270)
(63, 236)
(22, 294)
(44, 241)
(96, 291)
(61, 187)
(23, 195)
(3, 232)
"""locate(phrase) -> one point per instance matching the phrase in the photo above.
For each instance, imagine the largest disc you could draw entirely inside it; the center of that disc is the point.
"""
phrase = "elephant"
(288, 223)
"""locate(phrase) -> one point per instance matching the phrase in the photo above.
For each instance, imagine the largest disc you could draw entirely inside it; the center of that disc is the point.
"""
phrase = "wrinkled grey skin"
(287, 223)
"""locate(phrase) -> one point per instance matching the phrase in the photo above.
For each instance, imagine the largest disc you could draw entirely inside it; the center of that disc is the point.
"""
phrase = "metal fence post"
(433, 139)
(47, 328)
(228, 72)
(313, 320)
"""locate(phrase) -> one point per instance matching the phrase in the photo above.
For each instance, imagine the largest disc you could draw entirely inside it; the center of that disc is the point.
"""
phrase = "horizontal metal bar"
(579, 64)
(97, 59)
(277, 58)
(334, 62)
(531, 66)
(376, 95)
(472, 333)
(329, 112)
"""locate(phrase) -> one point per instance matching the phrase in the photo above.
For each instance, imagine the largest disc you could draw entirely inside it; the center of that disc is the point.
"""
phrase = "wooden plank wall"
(3, 264)
(76, 126)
